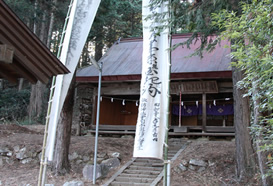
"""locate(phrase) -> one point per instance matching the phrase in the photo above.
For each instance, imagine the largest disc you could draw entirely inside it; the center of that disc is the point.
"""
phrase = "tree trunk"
(21, 83)
(51, 22)
(245, 159)
(61, 164)
(37, 99)
(35, 17)
(43, 33)
(98, 48)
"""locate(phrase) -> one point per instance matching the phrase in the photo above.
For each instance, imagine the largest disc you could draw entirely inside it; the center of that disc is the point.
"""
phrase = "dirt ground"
(220, 154)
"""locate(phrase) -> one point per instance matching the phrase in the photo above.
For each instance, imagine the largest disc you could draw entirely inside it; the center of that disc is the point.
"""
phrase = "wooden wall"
(114, 113)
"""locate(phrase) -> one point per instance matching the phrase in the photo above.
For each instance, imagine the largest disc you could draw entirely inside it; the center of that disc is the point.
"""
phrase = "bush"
(13, 104)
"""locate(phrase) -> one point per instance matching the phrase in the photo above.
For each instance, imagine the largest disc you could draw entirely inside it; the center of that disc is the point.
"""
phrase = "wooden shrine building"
(22, 54)
(201, 89)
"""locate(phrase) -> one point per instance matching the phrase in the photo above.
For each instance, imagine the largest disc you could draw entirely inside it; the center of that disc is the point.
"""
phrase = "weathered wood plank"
(119, 172)
(180, 129)
(6, 53)
(220, 129)
(116, 127)
(120, 89)
(204, 112)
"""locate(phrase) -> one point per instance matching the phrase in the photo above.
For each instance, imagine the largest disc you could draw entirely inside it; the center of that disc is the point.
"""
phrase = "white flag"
(81, 19)
(153, 107)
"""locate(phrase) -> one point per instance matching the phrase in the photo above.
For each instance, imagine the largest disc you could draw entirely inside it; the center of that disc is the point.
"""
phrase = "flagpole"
(166, 161)
(99, 67)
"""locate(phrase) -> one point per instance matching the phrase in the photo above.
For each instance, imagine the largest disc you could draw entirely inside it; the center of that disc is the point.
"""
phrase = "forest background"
(247, 24)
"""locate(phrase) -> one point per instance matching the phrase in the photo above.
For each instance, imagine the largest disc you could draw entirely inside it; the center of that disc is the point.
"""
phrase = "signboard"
(195, 87)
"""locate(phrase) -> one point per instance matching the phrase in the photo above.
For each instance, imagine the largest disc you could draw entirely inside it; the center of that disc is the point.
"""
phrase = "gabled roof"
(31, 60)
(123, 61)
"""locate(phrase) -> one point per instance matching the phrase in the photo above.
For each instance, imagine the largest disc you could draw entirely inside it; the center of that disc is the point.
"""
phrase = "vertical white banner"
(82, 15)
(153, 107)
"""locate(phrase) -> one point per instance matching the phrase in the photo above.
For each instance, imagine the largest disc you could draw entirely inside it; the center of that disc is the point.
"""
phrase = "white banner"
(81, 19)
(153, 107)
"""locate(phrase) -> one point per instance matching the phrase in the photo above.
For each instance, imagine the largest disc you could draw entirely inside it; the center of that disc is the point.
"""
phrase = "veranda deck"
(174, 130)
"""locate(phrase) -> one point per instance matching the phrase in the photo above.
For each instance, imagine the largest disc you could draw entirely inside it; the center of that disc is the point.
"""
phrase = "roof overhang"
(123, 61)
(31, 59)
(174, 76)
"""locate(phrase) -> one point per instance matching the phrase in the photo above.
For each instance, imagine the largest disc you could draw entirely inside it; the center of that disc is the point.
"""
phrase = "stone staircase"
(145, 171)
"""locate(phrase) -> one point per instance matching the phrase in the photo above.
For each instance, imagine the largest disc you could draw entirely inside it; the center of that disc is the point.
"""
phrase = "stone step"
(135, 167)
(141, 172)
(116, 183)
(134, 180)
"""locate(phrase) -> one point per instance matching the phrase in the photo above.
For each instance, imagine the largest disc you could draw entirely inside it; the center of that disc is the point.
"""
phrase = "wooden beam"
(24, 39)
(225, 87)
(204, 112)
(8, 77)
(194, 87)
(28, 62)
(94, 107)
(225, 84)
(26, 74)
(120, 88)
(6, 53)
(28, 54)
(201, 134)
(220, 129)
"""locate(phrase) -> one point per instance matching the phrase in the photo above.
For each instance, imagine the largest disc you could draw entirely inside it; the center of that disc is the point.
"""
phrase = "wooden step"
(116, 183)
(138, 175)
(134, 180)
(141, 172)
(134, 167)
(149, 160)
(144, 164)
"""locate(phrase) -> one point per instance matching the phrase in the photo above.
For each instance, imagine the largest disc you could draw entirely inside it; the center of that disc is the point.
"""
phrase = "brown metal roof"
(32, 60)
(123, 61)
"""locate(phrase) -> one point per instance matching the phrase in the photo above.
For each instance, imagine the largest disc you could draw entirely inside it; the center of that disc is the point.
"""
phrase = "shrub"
(13, 104)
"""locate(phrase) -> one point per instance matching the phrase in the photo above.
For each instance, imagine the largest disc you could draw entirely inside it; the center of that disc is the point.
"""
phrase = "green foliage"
(23, 9)
(252, 47)
(38, 15)
(28, 12)
(13, 104)
(195, 17)
(114, 19)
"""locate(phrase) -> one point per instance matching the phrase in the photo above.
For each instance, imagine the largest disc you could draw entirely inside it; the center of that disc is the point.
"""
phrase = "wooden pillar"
(94, 107)
(78, 124)
(180, 109)
(204, 112)
(170, 115)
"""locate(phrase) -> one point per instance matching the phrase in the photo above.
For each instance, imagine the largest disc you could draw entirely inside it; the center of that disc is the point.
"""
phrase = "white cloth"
(81, 19)
(153, 107)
